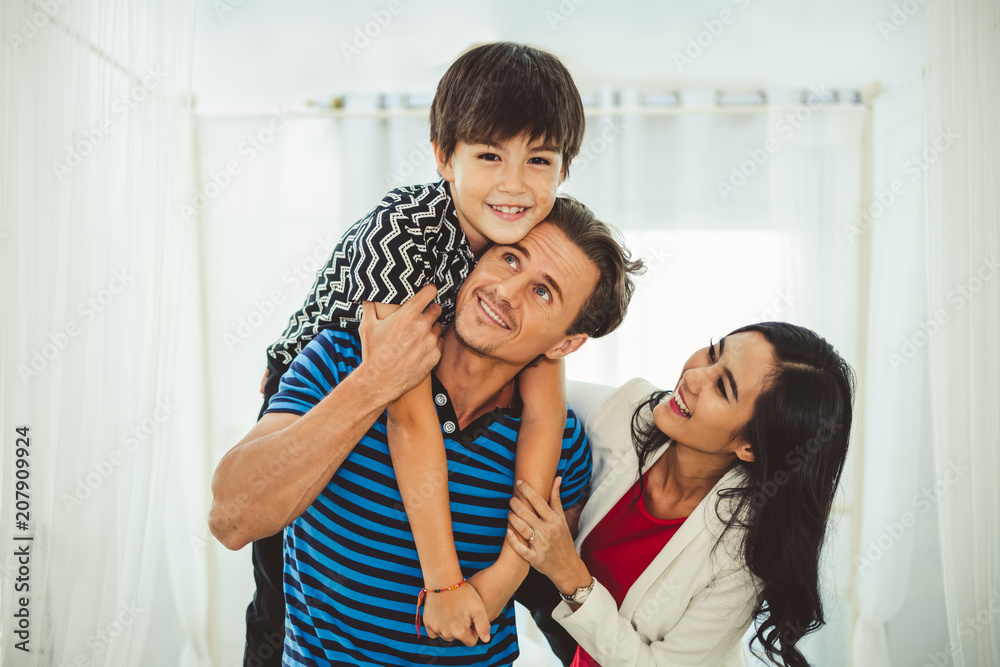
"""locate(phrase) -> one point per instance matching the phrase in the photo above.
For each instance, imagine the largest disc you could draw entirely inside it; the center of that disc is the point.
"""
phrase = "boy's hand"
(457, 614)
(490, 584)
(399, 351)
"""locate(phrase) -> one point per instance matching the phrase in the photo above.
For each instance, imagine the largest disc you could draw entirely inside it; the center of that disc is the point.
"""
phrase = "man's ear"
(744, 452)
(444, 165)
(568, 345)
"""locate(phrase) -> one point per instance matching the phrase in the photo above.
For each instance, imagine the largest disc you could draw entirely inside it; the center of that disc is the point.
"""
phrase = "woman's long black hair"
(798, 433)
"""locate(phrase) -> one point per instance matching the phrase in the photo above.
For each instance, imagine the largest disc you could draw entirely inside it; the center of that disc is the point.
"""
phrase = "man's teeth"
(679, 402)
(491, 313)
(509, 209)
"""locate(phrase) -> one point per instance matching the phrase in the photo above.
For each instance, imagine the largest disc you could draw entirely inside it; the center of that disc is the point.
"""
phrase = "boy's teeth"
(509, 209)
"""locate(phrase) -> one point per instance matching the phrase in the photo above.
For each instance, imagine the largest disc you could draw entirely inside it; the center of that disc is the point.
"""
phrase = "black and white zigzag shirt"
(412, 238)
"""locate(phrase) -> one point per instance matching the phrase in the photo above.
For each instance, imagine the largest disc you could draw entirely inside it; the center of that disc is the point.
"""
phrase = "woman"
(737, 469)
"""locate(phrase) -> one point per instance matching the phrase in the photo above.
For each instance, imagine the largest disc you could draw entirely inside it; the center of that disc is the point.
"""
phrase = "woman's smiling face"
(716, 394)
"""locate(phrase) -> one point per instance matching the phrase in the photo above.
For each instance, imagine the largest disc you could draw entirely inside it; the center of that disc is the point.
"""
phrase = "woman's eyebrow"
(729, 373)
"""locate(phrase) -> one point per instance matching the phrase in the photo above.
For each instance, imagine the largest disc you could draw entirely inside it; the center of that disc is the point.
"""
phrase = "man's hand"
(457, 614)
(399, 351)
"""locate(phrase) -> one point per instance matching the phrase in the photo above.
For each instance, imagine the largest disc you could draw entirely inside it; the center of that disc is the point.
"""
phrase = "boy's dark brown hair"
(498, 91)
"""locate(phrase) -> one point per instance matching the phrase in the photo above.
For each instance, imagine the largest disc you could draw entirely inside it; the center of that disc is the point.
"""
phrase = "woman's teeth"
(491, 313)
(509, 209)
(679, 402)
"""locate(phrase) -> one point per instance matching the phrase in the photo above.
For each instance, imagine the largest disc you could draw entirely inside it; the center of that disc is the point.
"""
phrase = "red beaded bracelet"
(423, 593)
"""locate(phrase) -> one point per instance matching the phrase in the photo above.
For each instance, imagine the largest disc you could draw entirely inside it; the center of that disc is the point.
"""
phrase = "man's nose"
(511, 288)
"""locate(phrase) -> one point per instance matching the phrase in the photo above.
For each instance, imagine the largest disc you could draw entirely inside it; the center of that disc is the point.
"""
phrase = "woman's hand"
(545, 540)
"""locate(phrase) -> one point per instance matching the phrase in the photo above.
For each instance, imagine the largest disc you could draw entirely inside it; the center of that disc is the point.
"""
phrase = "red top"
(621, 546)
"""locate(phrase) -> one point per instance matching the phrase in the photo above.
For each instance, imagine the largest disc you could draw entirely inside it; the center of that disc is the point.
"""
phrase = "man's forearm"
(271, 477)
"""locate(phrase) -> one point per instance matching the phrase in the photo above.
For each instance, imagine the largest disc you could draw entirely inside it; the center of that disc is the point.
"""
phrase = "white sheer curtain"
(93, 113)
(893, 406)
(962, 102)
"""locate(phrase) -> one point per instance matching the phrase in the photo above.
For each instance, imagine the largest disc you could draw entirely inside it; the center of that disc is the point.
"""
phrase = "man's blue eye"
(542, 292)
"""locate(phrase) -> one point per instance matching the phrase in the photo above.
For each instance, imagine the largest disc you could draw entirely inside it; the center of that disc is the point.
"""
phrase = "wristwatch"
(581, 594)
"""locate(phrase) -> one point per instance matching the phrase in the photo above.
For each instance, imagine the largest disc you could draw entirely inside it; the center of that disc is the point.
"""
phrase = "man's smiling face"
(521, 299)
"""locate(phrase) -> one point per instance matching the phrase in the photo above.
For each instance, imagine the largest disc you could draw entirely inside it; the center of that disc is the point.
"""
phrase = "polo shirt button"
(440, 399)
(449, 427)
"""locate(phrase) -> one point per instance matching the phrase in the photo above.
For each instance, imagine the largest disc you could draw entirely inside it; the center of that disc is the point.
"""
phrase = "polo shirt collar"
(449, 420)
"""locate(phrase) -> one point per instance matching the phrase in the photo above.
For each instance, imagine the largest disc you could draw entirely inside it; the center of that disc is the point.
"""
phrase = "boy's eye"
(540, 160)
(490, 157)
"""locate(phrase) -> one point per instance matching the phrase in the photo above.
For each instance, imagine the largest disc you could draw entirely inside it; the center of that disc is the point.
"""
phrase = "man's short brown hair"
(496, 92)
(605, 309)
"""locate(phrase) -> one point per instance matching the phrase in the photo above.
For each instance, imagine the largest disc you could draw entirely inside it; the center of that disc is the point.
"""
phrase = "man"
(318, 466)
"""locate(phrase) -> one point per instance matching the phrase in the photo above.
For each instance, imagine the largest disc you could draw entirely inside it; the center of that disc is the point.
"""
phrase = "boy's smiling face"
(501, 190)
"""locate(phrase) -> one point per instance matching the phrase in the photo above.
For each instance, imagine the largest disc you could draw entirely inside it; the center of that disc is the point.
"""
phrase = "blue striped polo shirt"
(351, 571)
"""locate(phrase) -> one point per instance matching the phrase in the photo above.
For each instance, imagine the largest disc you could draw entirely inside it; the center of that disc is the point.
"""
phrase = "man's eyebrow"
(545, 277)
(729, 373)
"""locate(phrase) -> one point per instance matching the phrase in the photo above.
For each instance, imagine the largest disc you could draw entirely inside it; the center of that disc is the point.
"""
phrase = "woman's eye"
(711, 351)
(722, 389)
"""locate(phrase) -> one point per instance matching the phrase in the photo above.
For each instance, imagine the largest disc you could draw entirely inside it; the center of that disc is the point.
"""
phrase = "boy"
(506, 122)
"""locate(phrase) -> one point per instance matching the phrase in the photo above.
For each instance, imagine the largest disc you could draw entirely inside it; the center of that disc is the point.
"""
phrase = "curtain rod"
(602, 111)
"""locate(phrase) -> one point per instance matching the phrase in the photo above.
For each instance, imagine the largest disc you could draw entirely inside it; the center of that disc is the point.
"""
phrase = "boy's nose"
(511, 179)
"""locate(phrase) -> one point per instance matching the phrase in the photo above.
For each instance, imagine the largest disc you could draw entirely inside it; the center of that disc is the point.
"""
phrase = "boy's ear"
(568, 345)
(443, 165)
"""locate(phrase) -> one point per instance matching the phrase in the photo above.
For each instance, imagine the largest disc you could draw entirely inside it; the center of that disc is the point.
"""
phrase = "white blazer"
(693, 604)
